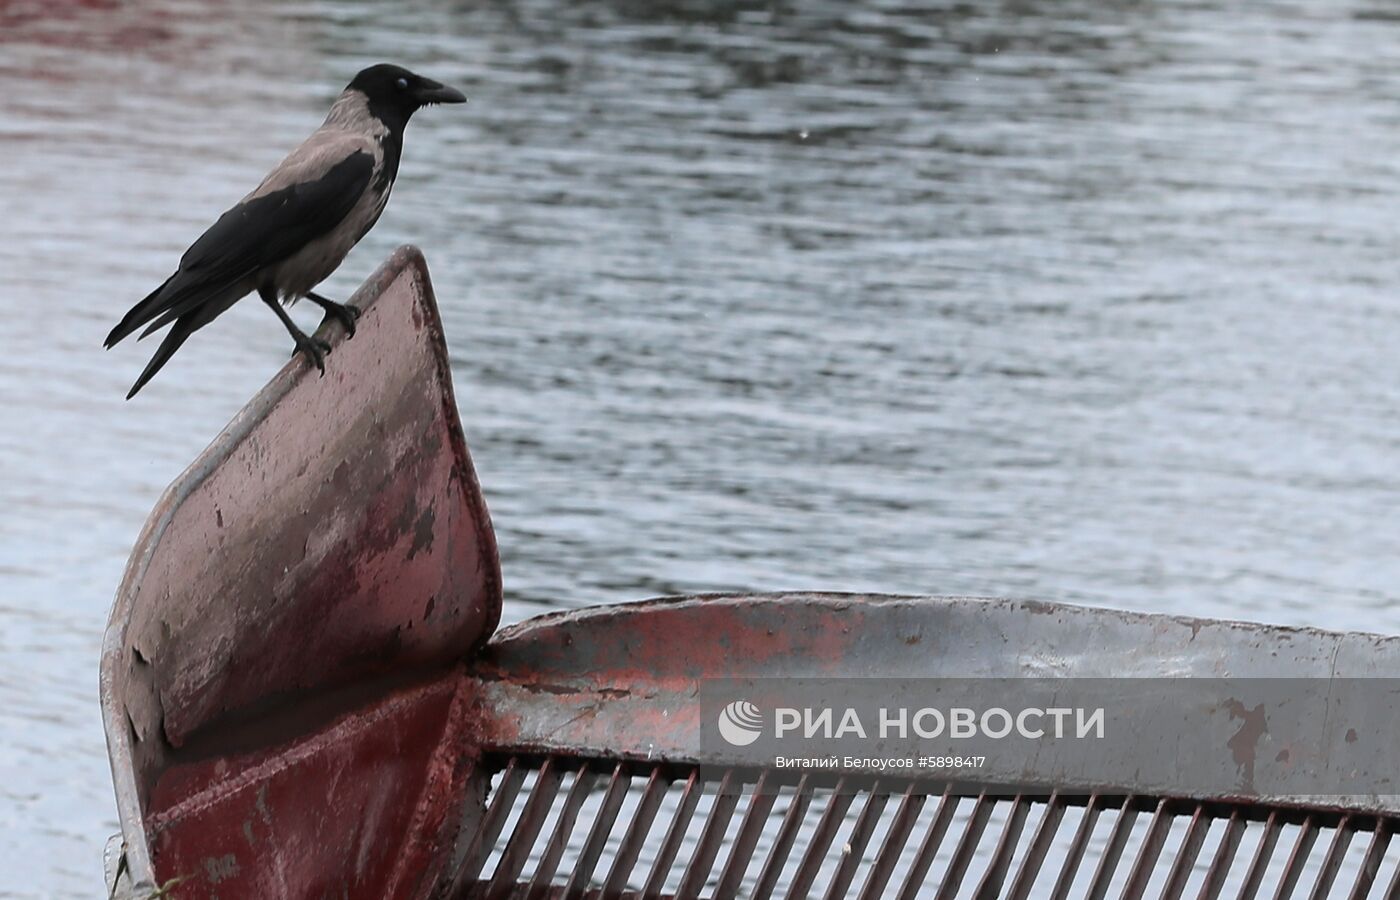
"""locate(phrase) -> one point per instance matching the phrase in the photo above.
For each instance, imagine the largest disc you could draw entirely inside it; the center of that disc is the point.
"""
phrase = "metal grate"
(568, 827)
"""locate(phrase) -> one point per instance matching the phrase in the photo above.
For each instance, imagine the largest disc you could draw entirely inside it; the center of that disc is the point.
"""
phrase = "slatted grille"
(566, 827)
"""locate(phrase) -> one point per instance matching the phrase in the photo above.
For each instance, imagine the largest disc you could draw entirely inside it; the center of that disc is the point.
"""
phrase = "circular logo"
(740, 723)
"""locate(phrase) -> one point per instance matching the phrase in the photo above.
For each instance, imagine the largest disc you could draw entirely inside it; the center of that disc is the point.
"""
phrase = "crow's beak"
(432, 92)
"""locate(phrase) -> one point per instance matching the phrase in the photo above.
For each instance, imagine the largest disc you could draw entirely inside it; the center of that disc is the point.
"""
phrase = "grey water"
(1095, 302)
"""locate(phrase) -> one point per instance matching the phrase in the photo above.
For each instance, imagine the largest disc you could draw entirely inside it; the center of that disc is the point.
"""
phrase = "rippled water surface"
(1083, 301)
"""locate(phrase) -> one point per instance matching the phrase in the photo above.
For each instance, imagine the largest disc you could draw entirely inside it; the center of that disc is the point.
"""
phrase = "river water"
(1082, 301)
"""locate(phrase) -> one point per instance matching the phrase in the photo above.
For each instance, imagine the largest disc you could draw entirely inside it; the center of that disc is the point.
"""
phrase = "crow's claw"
(314, 349)
(345, 314)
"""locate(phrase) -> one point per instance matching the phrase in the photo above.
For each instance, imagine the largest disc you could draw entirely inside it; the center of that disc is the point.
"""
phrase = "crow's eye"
(402, 84)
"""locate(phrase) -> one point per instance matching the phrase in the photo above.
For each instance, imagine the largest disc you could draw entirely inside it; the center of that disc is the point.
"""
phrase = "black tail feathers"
(183, 328)
(150, 307)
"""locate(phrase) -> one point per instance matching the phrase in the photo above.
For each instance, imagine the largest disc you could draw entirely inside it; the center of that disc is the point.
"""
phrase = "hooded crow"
(295, 228)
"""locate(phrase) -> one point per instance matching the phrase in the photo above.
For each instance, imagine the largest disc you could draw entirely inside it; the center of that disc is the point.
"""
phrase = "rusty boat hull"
(282, 672)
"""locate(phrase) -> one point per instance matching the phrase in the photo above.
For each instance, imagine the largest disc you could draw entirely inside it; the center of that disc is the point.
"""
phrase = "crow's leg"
(346, 313)
(314, 348)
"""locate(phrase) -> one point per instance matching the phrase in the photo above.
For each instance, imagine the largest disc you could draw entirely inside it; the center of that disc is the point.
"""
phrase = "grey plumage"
(296, 227)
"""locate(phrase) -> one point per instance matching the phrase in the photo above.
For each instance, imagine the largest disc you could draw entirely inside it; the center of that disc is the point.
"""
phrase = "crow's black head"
(395, 93)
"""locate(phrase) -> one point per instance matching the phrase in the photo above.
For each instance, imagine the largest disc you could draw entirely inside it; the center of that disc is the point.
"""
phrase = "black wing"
(256, 233)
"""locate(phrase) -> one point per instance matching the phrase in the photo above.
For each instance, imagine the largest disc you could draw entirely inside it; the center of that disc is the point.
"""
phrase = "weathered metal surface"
(598, 686)
(623, 680)
(606, 699)
(325, 565)
(366, 807)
